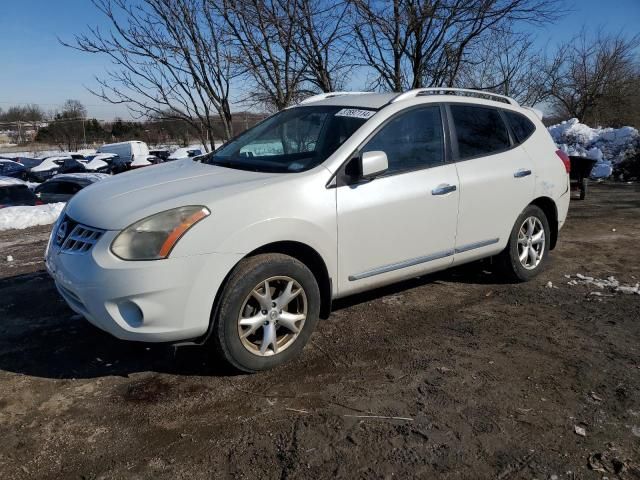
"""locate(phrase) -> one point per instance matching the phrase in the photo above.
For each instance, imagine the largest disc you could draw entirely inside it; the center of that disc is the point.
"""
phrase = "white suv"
(246, 247)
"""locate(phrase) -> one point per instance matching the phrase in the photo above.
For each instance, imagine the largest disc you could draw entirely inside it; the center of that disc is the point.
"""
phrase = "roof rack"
(322, 96)
(417, 92)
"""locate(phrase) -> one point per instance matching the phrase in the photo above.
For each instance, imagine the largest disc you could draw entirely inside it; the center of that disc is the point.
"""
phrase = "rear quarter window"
(480, 131)
(520, 125)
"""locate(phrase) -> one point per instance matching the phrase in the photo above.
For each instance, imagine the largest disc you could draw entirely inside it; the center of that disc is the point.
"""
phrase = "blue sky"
(35, 68)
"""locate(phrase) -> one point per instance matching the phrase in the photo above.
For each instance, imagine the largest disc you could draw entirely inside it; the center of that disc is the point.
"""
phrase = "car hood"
(118, 202)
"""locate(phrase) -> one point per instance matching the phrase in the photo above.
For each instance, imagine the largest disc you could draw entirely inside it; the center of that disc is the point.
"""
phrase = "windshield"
(293, 140)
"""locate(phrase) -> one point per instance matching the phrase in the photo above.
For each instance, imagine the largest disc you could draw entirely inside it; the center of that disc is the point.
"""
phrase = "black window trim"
(454, 137)
(341, 179)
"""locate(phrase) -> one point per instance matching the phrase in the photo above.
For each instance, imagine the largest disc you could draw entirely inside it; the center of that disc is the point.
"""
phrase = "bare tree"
(323, 32)
(266, 38)
(29, 114)
(591, 74)
(172, 61)
(68, 126)
(416, 43)
(506, 63)
(23, 118)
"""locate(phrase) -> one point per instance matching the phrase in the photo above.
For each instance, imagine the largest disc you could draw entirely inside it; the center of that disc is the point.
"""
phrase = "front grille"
(81, 239)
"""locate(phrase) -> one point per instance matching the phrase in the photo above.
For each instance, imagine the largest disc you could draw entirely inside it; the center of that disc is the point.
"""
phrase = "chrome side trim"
(399, 265)
(473, 246)
(417, 261)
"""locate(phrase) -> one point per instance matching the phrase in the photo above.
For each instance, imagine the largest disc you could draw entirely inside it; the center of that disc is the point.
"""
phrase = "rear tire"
(527, 252)
(583, 188)
(269, 308)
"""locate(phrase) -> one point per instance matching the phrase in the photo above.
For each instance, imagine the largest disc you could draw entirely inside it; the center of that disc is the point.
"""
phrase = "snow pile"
(609, 283)
(7, 181)
(608, 146)
(24, 217)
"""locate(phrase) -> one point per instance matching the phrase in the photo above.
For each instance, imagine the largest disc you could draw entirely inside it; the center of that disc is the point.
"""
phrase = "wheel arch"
(314, 262)
(548, 206)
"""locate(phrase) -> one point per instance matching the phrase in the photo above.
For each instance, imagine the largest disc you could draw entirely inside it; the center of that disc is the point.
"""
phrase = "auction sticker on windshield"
(355, 113)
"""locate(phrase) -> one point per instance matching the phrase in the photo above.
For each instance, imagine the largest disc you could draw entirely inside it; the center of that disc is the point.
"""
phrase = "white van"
(135, 153)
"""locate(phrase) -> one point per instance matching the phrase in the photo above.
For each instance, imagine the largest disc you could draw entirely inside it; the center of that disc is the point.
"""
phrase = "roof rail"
(416, 92)
(322, 96)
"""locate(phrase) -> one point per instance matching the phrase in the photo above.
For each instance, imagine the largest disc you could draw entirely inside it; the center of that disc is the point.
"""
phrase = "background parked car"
(28, 162)
(15, 192)
(161, 154)
(64, 186)
(187, 152)
(9, 168)
(77, 156)
(47, 168)
(72, 165)
(102, 162)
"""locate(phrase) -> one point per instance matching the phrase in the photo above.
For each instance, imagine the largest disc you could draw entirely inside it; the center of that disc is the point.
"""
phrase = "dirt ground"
(490, 379)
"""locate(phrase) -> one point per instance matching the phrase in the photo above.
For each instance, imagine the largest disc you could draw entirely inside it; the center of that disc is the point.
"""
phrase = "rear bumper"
(562, 204)
(155, 301)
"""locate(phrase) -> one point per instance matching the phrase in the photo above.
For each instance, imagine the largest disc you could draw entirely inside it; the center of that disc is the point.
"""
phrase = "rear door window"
(15, 193)
(69, 188)
(60, 188)
(480, 131)
(520, 125)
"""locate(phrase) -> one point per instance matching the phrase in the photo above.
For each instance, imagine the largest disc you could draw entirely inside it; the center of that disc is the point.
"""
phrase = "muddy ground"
(490, 379)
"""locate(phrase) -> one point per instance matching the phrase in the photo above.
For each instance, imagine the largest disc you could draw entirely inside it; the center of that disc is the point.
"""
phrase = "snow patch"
(25, 217)
(610, 283)
(6, 181)
(89, 176)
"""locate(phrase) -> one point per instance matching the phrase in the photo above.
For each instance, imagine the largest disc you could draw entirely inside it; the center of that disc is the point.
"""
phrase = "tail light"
(39, 202)
(565, 159)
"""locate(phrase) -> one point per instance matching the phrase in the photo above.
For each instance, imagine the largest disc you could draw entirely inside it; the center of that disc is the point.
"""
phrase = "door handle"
(443, 189)
(522, 173)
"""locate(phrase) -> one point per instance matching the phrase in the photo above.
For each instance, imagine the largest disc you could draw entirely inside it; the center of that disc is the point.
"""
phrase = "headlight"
(154, 237)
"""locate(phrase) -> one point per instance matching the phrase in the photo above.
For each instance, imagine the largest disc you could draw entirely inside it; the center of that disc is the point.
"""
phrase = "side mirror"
(373, 164)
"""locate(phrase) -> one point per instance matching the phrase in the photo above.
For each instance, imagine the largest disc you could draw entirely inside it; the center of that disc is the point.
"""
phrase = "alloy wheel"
(531, 243)
(272, 316)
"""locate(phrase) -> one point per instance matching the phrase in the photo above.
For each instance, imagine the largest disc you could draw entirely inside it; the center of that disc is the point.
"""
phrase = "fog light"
(131, 313)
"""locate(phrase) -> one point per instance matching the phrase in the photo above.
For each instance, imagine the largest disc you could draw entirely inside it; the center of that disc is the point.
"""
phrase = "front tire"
(527, 252)
(269, 307)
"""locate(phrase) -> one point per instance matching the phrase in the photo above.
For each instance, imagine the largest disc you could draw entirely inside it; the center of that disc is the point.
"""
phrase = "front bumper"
(150, 301)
